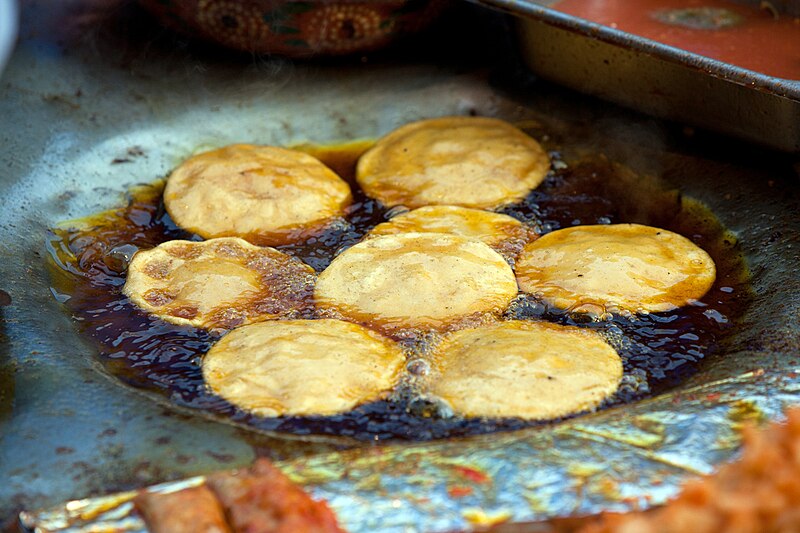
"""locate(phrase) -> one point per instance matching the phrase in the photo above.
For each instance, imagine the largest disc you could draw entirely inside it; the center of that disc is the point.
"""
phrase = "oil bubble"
(429, 407)
(418, 367)
(589, 312)
(525, 306)
(716, 316)
(119, 257)
(634, 383)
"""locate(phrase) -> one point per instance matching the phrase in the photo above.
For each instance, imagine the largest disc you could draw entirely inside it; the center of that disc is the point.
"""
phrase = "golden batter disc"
(524, 369)
(467, 161)
(219, 283)
(615, 267)
(264, 194)
(416, 280)
(302, 367)
(505, 234)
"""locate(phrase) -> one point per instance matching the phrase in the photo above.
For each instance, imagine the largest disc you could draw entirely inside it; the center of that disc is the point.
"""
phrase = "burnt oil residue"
(659, 351)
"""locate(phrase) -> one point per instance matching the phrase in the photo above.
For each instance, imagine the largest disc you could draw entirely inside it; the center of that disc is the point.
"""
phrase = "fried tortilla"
(505, 234)
(219, 283)
(264, 194)
(302, 367)
(619, 267)
(467, 161)
(416, 280)
(524, 369)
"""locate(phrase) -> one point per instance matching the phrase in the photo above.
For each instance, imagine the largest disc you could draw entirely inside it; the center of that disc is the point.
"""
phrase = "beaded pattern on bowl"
(236, 24)
(346, 28)
(297, 28)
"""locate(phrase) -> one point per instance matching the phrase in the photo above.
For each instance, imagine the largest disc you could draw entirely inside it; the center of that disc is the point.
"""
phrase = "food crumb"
(481, 518)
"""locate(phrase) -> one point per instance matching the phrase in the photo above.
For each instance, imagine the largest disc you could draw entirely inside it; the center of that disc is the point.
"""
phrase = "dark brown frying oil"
(658, 350)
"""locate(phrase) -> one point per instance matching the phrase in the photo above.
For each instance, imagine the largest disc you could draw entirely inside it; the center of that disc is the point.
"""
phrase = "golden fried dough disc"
(532, 370)
(219, 283)
(502, 232)
(467, 161)
(416, 280)
(302, 367)
(264, 194)
(615, 267)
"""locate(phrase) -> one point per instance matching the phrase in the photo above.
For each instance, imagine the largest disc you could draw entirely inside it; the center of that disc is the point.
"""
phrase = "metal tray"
(95, 99)
(655, 78)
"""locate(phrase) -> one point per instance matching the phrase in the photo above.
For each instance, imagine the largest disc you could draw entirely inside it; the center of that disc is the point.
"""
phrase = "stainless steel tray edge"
(655, 78)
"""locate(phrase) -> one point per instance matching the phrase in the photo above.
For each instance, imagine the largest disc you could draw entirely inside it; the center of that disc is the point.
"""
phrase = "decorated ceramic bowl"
(297, 28)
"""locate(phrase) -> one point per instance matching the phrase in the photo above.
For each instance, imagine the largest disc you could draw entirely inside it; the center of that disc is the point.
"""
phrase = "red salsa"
(758, 39)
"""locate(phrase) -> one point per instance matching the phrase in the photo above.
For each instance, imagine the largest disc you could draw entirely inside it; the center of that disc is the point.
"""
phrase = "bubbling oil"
(88, 259)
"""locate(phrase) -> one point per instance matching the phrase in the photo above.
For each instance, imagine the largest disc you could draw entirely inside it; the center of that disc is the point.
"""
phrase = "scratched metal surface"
(75, 98)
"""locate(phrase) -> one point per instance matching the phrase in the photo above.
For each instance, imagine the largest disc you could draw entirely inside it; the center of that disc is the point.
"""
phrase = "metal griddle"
(96, 99)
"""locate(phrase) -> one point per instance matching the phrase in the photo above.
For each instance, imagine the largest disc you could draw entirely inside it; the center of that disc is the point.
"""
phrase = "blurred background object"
(296, 28)
(8, 29)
